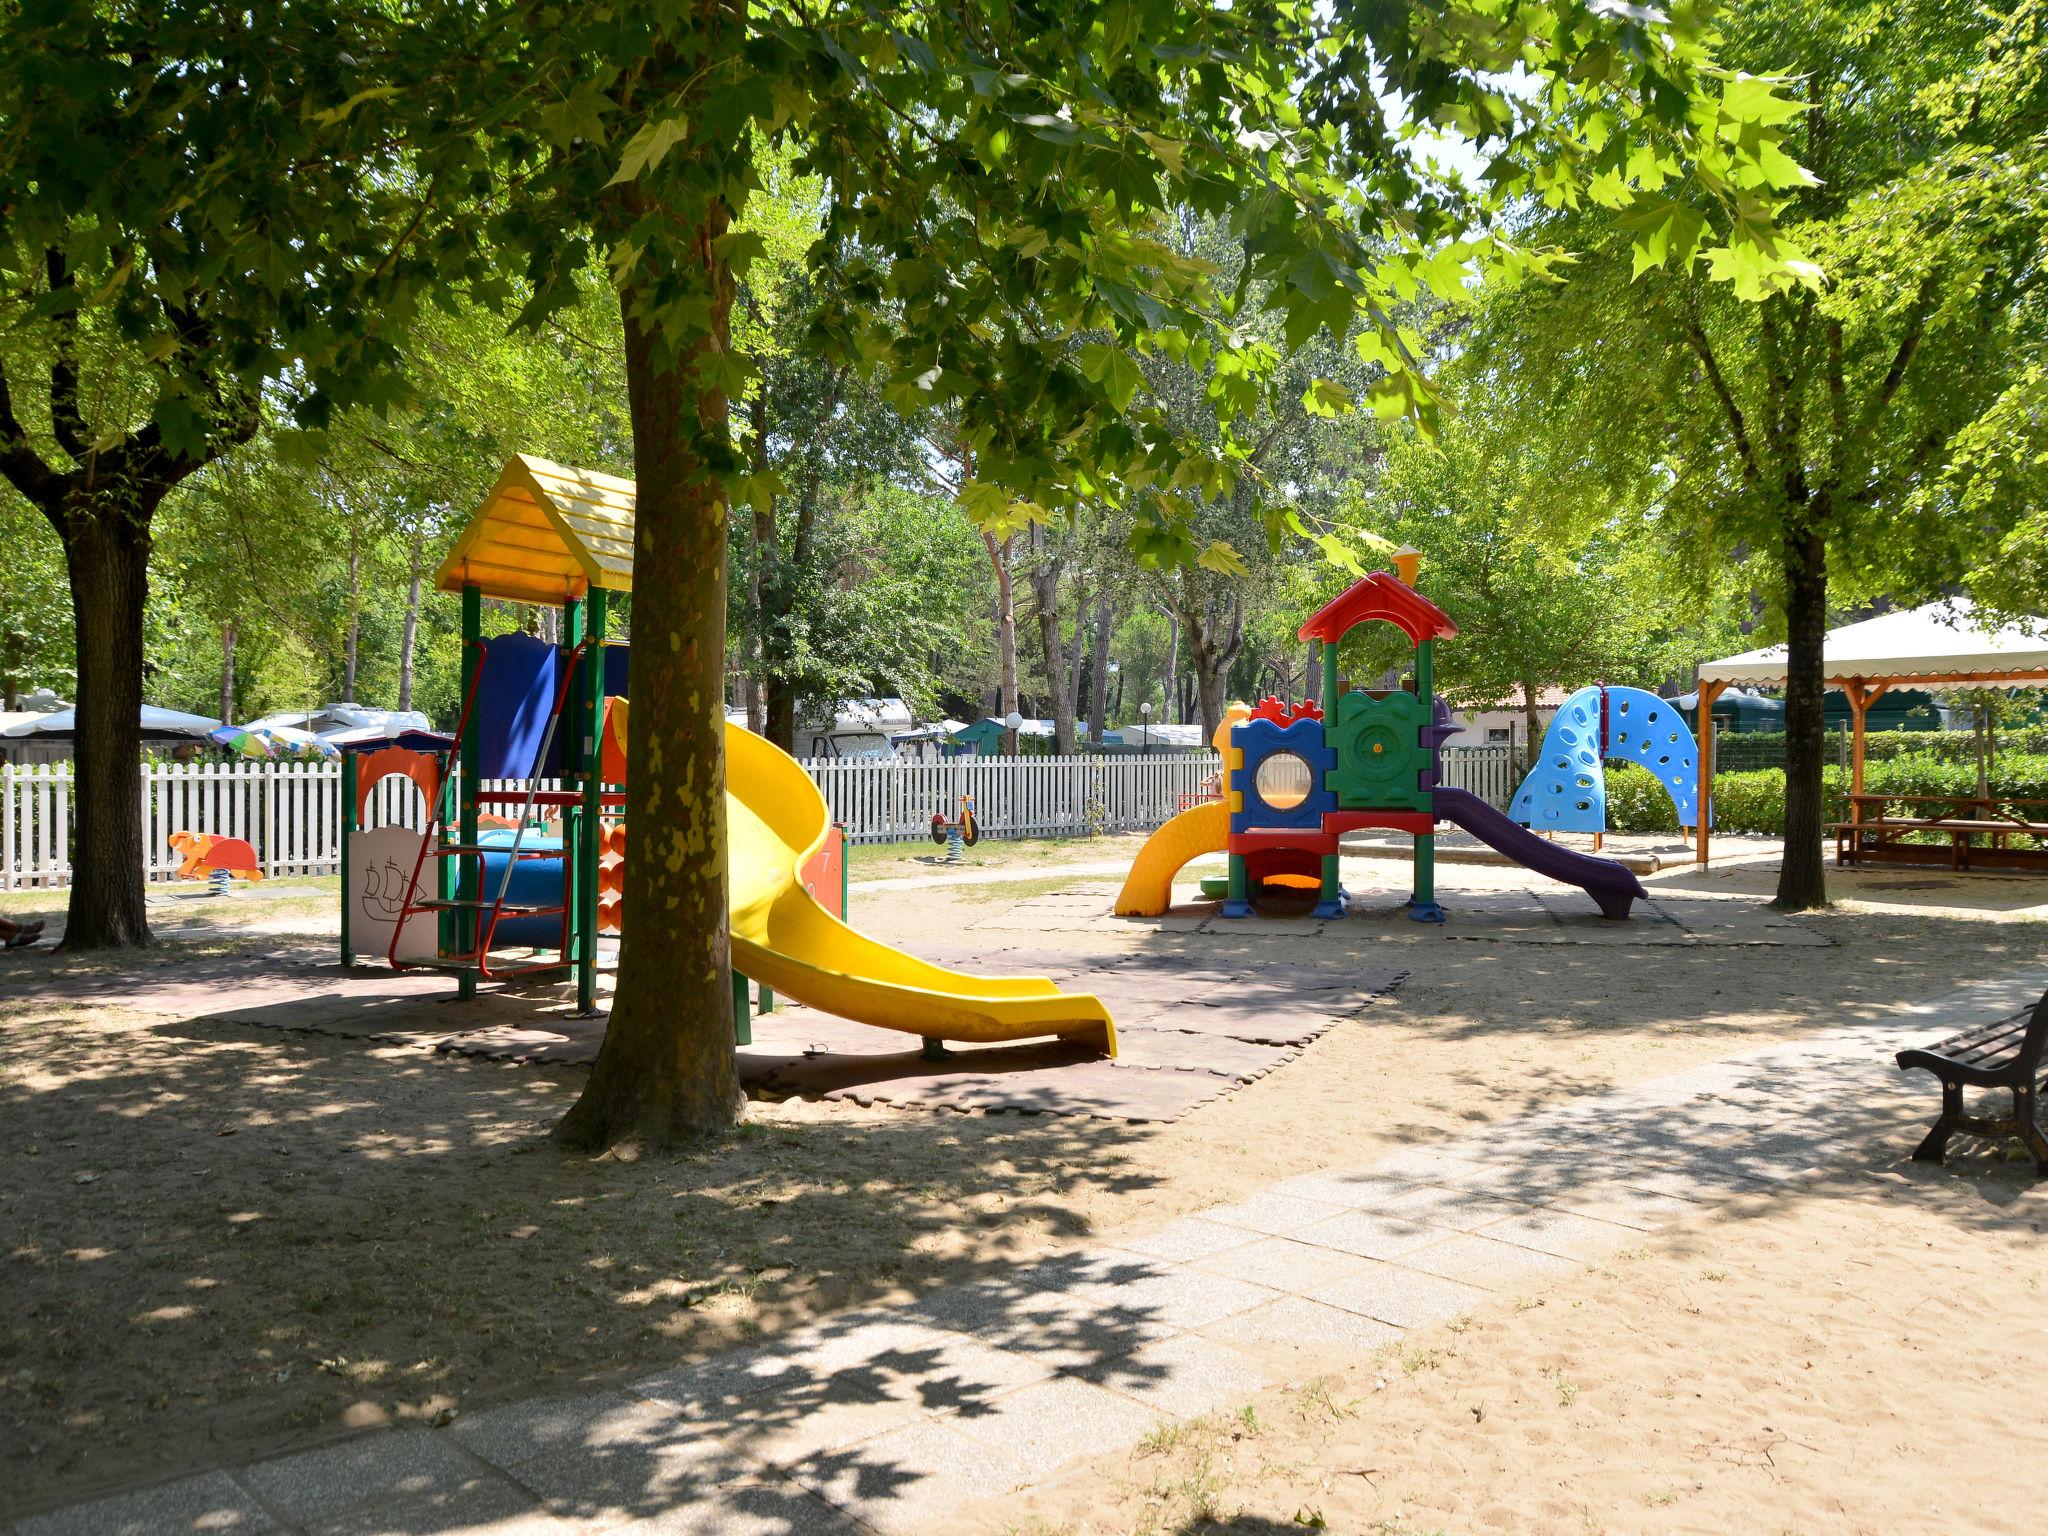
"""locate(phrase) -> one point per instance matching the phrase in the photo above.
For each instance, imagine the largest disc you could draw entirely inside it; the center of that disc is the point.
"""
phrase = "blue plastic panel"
(521, 674)
(1567, 792)
(1259, 740)
(1642, 728)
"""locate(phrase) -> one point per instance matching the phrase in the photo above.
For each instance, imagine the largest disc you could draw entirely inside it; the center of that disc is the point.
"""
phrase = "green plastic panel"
(1380, 756)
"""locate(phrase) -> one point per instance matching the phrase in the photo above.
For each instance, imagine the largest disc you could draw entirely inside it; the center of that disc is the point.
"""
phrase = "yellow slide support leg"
(1148, 888)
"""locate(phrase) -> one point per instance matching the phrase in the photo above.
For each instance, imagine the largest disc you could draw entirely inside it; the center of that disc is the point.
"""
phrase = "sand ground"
(220, 1241)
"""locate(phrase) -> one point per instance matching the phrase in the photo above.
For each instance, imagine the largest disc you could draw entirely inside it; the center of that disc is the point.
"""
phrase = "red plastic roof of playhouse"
(1382, 595)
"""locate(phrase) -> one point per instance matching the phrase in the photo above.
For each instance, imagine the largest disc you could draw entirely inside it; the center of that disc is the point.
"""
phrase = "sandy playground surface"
(219, 1241)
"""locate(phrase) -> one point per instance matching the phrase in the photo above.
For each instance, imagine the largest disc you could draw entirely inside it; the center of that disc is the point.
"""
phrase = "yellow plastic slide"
(775, 820)
(1148, 888)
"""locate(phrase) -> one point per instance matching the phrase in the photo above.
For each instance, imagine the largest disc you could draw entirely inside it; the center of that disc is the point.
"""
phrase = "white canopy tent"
(158, 725)
(1942, 645)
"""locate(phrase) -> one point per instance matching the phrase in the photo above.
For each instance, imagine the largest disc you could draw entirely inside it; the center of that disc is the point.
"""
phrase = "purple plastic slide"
(1605, 881)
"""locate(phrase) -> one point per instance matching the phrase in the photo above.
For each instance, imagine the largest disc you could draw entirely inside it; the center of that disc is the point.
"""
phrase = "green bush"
(1755, 801)
(1637, 802)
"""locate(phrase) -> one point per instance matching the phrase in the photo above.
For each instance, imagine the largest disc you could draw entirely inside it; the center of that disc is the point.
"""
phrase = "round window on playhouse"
(1284, 781)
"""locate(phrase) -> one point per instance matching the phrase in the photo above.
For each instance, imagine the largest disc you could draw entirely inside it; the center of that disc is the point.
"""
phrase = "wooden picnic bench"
(1962, 819)
(2005, 1054)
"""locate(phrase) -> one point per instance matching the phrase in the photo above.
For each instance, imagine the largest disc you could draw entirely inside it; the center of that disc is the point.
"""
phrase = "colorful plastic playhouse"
(1295, 780)
(1567, 789)
(520, 868)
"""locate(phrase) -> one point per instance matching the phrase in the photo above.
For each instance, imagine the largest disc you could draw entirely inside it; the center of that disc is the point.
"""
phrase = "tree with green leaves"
(1000, 171)
(207, 212)
(1810, 429)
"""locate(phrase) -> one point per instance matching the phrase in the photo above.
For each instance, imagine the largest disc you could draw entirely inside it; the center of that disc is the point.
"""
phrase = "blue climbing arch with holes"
(1642, 728)
(1567, 791)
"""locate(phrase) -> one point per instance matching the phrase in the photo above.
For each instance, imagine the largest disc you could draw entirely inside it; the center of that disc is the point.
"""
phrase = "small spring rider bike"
(958, 834)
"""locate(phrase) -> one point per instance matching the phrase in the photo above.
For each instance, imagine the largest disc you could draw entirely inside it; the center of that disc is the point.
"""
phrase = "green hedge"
(1755, 801)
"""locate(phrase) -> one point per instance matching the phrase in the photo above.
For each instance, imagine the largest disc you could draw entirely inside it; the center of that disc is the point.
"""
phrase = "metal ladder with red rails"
(490, 910)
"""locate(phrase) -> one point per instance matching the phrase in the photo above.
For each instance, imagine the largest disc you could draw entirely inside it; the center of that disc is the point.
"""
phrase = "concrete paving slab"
(709, 1387)
(954, 1374)
(1627, 1207)
(772, 1506)
(1483, 1262)
(1561, 1233)
(1049, 1424)
(482, 1506)
(315, 1486)
(784, 1429)
(1368, 1235)
(1459, 1210)
(910, 1479)
(1275, 1215)
(1404, 1297)
(1191, 1237)
(1281, 1264)
(1184, 1377)
(518, 1432)
(1184, 1299)
(1306, 1328)
(1070, 1332)
(612, 1484)
(210, 1502)
(1349, 1191)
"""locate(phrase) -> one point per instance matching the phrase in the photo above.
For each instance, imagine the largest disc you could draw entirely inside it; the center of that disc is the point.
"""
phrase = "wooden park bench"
(1874, 835)
(2005, 1054)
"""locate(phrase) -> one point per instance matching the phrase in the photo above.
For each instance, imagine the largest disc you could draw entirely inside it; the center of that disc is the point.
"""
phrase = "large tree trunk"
(762, 552)
(1045, 599)
(1169, 687)
(227, 672)
(408, 643)
(778, 713)
(1098, 671)
(1802, 878)
(1213, 644)
(106, 549)
(666, 1071)
(10, 671)
(1532, 742)
(999, 555)
(355, 606)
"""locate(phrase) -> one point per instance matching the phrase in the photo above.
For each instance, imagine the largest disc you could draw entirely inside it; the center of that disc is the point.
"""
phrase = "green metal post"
(1333, 887)
(1423, 902)
(590, 842)
(1330, 679)
(1237, 897)
(742, 1020)
(348, 828)
(570, 734)
(469, 881)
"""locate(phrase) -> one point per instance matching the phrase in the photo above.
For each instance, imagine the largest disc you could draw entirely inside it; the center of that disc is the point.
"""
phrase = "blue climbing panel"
(1567, 791)
(1642, 728)
(1261, 741)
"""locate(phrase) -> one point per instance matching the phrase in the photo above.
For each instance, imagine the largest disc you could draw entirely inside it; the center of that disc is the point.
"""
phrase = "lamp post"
(1013, 722)
(1145, 716)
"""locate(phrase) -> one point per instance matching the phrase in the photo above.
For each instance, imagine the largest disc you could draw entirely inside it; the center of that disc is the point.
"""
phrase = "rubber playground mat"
(1187, 1033)
(1189, 1029)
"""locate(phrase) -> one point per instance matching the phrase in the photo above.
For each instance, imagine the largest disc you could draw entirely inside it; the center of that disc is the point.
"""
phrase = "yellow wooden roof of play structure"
(545, 533)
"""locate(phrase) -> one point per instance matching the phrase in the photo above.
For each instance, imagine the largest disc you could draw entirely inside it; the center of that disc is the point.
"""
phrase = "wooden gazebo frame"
(1978, 658)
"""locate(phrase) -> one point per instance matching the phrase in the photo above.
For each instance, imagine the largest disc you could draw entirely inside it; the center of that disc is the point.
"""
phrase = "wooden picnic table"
(1880, 838)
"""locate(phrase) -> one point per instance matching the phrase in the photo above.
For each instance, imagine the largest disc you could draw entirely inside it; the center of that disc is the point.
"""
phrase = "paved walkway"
(892, 1420)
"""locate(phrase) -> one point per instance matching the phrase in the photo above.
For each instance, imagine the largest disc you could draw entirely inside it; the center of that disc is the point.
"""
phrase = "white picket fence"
(1491, 773)
(290, 813)
(890, 801)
